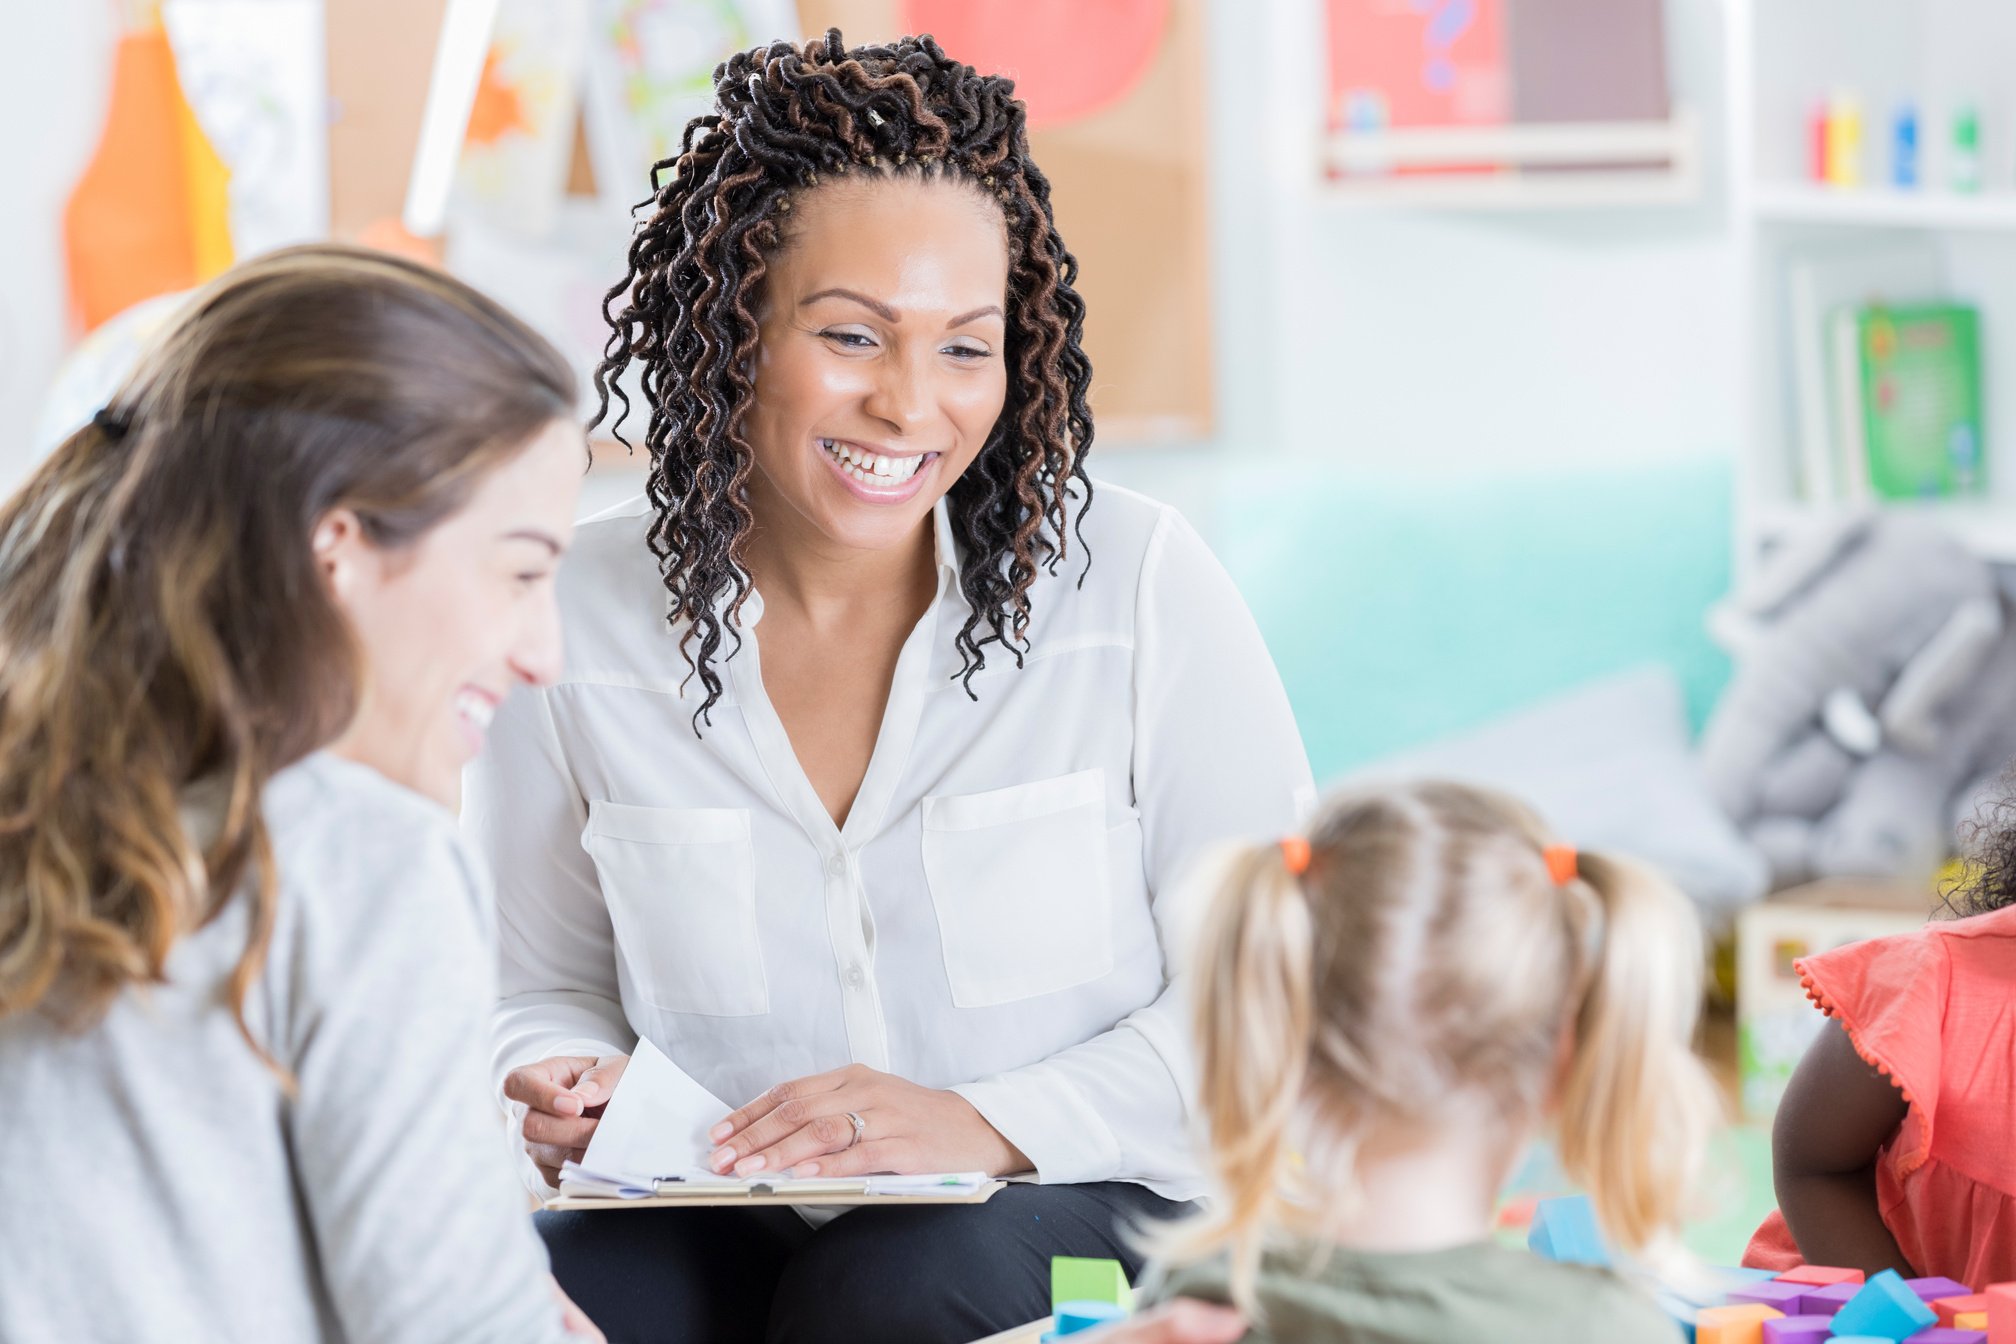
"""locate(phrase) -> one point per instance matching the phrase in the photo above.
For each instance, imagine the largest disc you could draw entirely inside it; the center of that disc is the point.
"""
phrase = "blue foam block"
(1073, 1318)
(1564, 1230)
(1885, 1308)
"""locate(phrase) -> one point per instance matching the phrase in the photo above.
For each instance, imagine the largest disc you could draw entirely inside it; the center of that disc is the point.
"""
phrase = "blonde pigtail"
(1253, 1015)
(1636, 1106)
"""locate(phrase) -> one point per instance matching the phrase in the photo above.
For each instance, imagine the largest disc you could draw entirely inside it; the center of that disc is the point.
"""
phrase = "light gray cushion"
(1609, 767)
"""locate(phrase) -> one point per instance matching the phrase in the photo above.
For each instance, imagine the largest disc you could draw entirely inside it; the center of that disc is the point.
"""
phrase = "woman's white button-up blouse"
(993, 917)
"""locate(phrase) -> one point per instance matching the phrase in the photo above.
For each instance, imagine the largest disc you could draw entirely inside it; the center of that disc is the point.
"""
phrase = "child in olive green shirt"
(1479, 1291)
(1386, 1012)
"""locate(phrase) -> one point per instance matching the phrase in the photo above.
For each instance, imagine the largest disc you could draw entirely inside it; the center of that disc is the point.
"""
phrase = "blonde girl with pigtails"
(1386, 1012)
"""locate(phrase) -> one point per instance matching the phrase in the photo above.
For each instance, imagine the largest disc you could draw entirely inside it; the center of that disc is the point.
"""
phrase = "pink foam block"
(1949, 1307)
(2001, 1313)
(1821, 1275)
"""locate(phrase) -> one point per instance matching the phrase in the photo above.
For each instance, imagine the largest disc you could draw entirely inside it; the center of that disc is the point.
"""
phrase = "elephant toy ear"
(1738, 622)
(1947, 664)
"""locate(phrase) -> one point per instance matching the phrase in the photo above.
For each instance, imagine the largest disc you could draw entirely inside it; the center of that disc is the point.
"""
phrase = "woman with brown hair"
(254, 619)
(880, 746)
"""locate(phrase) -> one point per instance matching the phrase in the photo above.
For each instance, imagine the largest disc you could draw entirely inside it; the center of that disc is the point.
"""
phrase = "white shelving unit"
(1785, 56)
(1670, 152)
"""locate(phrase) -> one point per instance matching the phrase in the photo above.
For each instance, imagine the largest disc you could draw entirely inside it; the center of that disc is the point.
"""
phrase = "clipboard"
(810, 1194)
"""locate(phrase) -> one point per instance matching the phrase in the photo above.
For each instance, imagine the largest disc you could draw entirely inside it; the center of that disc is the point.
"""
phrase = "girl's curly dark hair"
(1987, 879)
(784, 120)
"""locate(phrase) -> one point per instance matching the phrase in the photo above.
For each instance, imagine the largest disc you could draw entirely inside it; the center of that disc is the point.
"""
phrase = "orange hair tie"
(1295, 853)
(1563, 865)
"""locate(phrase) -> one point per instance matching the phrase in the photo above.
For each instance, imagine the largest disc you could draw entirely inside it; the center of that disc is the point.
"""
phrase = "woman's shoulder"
(1132, 545)
(1128, 529)
(325, 798)
(350, 846)
(610, 564)
(614, 608)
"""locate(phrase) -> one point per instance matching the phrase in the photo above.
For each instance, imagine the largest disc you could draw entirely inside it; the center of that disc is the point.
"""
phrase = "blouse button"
(837, 865)
(854, 976)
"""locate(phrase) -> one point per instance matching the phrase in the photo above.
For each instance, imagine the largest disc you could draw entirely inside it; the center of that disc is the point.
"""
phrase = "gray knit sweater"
(158, 1184)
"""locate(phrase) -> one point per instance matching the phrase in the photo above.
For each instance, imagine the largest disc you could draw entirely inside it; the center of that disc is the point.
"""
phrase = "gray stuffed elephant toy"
(1873, 705)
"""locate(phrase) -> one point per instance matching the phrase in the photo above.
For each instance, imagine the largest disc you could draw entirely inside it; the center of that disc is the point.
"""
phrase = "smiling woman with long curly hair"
(880, 747)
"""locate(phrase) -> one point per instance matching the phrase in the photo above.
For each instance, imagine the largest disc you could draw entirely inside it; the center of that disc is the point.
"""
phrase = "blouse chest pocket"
(680, 884)
(1018, 878)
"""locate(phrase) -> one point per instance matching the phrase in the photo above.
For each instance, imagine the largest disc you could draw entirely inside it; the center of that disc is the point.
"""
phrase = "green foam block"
(1077, 1279)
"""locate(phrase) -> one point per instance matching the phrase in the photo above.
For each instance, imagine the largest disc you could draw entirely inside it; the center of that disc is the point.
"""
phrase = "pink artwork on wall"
(1417, 63)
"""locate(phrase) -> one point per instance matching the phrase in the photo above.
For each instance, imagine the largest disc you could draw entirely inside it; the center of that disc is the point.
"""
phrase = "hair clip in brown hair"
(1295, 854)
(1563, 864)
(111, 423)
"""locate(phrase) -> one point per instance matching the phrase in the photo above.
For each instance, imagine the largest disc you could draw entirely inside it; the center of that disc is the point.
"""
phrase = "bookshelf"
(1784, 57)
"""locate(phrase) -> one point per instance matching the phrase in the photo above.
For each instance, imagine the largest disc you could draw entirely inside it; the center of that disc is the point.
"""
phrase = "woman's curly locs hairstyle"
(686, 313)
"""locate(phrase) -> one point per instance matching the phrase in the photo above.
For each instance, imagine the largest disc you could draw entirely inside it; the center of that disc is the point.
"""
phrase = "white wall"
(1412, 340)
(55, 64)
(1444, 340)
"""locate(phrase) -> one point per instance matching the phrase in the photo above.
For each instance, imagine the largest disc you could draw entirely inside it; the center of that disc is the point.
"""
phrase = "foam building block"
(1821, 1275)
(1799, 1330)
(2001, 1312)
(1565, 1231)
(1681, 1310)
(1885, 1308)
(1943, 1335)
(1078, 1279)
(1783, 1297)
(1830, 1299)
(1074, 1318)
(1742, 1324)
(1950, 1309)
(1931, 1290)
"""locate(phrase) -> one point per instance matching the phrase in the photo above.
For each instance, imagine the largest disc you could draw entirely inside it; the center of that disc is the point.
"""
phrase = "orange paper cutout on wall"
(151, 214)
(498, 109)
(1068, 58)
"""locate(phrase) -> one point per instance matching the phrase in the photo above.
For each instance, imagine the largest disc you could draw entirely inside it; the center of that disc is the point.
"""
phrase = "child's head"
(1427, 966)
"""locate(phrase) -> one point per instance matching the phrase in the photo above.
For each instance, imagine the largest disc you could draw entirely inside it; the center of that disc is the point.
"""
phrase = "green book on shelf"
(1918, 369)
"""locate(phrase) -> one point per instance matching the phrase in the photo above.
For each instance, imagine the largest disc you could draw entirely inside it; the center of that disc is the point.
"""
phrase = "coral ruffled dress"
(1935, 1010)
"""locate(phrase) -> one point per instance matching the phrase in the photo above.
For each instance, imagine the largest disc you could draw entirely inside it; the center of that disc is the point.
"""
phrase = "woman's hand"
(1184, 1321)
(559, 1102)
(802, 1125)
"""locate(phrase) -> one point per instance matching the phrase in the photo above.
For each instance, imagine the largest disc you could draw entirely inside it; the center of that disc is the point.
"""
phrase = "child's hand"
(1184, 1321)
(577, 1322)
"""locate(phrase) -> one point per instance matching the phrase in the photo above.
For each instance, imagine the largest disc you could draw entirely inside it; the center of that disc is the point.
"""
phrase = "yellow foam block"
(1743, 1324)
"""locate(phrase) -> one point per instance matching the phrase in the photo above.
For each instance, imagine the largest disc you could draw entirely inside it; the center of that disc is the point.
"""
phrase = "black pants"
(909, 1274)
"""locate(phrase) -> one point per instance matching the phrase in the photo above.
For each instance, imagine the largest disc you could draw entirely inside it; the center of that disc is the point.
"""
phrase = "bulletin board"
(1119, 126)
(377, 89)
